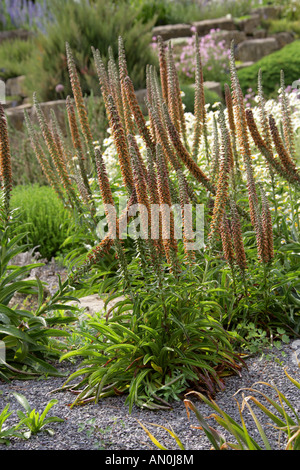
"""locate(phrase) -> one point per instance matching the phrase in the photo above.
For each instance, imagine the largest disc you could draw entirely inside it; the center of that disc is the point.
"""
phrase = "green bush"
(286, 59)
(284, 25)
(82, 25)
(185, 11)
(14, 56)
(148, 9)
(46, 216)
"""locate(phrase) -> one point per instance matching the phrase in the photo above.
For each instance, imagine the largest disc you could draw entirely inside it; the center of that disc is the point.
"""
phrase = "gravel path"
(108, 424)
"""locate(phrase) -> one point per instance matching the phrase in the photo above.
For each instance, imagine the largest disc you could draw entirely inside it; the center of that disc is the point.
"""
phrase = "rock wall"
(252, 41)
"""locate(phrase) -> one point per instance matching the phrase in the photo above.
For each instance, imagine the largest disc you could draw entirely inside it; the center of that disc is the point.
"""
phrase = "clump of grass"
(46, 219)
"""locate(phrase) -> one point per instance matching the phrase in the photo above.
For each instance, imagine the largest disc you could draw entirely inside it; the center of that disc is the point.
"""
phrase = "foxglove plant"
(151, 335)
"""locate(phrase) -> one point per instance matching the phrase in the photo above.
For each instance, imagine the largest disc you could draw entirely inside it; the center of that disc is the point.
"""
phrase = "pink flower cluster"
(214, 55)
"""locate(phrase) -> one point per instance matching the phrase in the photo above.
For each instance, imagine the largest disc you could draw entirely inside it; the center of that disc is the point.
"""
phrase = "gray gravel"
(113, 428)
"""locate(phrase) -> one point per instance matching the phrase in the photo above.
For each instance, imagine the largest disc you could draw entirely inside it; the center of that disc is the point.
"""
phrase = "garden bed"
(108, 425)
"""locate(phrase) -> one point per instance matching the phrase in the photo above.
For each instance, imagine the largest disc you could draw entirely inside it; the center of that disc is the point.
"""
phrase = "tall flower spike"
(54, 151)
(283, 154)
(150, 99)
(168, 232)
(132, 142)
(102, 74)
(223, 183)
(287, 120)
(121, 145)
(111, 215)
(139, 170)
(262, 246)
(162, 136)
(106, 193)
(267, 152)
(180, 106)
(172, 91)
(157, 98)
(65, 150)
(216, 150)
(176, 108)
(51, 175)
(241, 126)
(265, 126)
(187, 218)
(168, 149)
(227, 244)
(137, 113)
(163, 68)
(146, 245)
(80, 105)
(184, 154)
(154, 196)
(77, 144)
(123, 73)
(5, 161)
(61, 165)
(199, 104)
(263, 114)
(237, 237)
(114, 85)
(229, 105)
(267, 226)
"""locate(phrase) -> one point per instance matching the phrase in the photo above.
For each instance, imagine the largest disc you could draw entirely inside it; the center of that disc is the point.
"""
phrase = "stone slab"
(253, 50)
(205, 26)
(248, 25)
(283, 38)
(229, 36)
(172, 31)
(15, 86)
(16, 115)
(22, 34)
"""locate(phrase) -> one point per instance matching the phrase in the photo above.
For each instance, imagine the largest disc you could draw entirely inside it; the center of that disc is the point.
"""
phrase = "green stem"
(207, 262)
(245, 283)
(266, 285)
(295, 213)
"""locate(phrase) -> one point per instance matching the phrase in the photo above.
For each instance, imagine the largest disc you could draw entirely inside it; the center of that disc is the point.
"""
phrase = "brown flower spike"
(5, 160)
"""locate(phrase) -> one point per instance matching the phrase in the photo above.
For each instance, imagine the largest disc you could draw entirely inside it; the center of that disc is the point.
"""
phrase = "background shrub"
(82, 25)
(284, 25)
(14, 56)
(187, 11)
(287, 59)
(47, 218)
